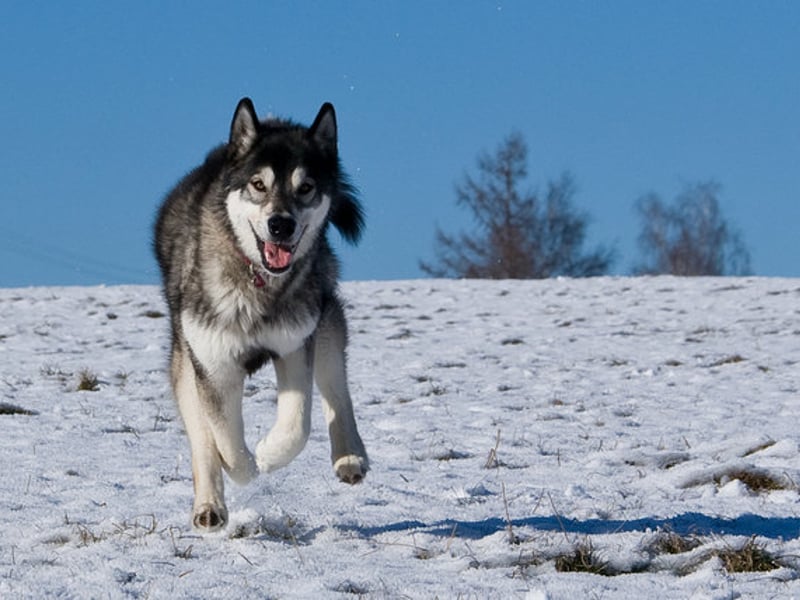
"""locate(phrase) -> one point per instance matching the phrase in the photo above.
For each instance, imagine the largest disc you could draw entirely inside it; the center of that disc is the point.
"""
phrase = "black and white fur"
(249, 276)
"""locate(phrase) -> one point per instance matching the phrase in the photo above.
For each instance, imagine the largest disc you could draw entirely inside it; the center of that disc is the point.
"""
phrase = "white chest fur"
(217, 345)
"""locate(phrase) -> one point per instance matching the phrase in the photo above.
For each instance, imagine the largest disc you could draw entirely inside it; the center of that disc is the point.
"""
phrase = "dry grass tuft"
(750, 558)
(12, 409)
(669, 542)
(87, 381)
(756, 480)
(728, 360)
(583, 559)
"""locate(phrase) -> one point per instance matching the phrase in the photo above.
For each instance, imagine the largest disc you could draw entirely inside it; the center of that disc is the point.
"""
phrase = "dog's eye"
(258, 185)
(306, 188)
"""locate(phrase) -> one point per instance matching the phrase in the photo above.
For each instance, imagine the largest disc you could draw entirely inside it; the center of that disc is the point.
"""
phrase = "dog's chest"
(238, 330)
(283, 338)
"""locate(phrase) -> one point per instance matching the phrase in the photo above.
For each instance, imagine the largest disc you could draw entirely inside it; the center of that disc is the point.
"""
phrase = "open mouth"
(276, 256)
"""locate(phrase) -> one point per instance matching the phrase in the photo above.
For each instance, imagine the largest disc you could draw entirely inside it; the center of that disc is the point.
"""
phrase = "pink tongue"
(277, 256)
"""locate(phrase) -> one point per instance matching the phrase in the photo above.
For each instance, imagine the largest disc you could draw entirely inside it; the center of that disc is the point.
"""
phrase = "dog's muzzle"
(277, 252)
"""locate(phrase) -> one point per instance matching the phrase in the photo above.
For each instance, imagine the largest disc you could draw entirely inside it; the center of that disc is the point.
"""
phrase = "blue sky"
(104, 105)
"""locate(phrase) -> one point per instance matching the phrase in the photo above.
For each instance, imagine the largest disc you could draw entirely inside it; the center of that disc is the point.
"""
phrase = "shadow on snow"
(685, 524)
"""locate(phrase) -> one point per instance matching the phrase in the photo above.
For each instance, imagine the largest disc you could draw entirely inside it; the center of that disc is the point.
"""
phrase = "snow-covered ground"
(511, 426)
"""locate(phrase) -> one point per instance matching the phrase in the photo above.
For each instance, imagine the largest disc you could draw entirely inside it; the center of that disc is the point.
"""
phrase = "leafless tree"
(517, 234)
(689, 237)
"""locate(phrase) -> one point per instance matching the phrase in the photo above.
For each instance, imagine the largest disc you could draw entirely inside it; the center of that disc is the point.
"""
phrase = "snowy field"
(601, 438)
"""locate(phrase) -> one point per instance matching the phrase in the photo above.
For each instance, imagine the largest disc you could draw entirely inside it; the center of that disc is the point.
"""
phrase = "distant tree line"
(520, 233)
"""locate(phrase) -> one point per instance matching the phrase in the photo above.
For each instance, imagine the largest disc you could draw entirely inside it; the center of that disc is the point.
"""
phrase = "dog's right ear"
(243, 128)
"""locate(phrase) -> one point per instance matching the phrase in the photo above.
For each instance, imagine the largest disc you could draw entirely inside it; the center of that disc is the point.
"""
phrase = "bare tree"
(517, 234)
(689, 237)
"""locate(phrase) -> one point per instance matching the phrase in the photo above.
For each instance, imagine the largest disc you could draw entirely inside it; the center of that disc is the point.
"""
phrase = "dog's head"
(284, 185)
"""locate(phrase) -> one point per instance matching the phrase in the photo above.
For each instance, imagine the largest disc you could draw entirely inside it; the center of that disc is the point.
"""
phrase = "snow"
(508, 424)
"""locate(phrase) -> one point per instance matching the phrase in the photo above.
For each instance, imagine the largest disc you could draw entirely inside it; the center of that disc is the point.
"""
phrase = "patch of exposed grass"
(350, 587)
(454, 364)
(435, 390)
(758, 448)
(124, 428)
(52, 372)
(12, 409)
(617, 362)
(750, 558)
(667, 460)
(392, 306)
(87, 381)
(403, 334)
(669, 542)
(85, 534)
(451, 454)
(756, 480)
(582, 559)
(728, 360)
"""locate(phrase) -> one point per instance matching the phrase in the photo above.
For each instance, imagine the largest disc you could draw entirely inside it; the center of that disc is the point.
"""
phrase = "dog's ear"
(346, 212)
(243, 127)
(323, 131)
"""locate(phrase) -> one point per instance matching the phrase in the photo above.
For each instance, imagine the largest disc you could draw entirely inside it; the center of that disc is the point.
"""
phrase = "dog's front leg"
(290, 432)
(210, 402)
(330, 372)
(209, 512)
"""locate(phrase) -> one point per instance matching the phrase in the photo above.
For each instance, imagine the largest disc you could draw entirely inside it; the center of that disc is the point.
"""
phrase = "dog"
(249, 276)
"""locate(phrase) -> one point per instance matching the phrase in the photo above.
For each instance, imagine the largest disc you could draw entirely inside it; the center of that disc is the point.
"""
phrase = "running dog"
(249, 276)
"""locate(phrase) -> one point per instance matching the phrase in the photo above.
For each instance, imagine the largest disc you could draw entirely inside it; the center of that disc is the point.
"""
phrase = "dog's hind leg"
(290, 432)
(330, 371)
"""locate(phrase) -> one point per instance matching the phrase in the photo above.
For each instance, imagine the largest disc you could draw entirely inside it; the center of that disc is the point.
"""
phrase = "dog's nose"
(281, 228)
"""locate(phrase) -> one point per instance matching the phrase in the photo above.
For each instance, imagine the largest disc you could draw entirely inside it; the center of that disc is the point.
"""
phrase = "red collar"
(255, 277)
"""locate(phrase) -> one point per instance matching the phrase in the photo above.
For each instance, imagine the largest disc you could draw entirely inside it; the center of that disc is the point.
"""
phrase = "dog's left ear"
(323, 131)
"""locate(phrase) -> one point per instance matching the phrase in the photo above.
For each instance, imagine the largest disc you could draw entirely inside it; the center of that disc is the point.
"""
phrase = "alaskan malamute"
(249, 276)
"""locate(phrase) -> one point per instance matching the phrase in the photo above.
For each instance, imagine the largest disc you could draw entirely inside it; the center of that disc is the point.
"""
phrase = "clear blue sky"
(104, 105)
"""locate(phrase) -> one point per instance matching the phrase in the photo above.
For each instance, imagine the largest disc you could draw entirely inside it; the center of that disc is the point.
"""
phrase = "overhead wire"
(70, 262)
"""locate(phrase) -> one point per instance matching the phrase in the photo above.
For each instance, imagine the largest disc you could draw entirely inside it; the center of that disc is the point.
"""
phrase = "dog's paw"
(278, 449)
(351, 468)
(207, 518)
(268, 458)
(245, 470)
